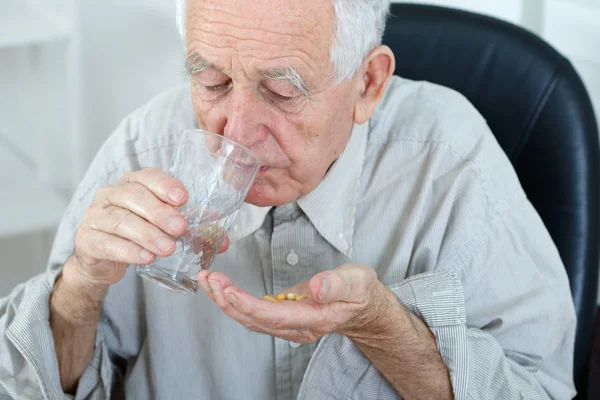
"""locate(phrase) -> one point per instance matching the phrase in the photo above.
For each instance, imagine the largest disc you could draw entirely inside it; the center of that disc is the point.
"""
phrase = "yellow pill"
(281, 296)
(291, 296)
(270, 298)
(301, 297)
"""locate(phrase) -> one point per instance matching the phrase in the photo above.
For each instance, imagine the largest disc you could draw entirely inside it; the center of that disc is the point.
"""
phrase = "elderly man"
(387, 201)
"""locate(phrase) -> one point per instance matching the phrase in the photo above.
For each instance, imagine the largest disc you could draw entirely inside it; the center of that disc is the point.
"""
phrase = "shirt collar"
(248, 220)
(331, 207)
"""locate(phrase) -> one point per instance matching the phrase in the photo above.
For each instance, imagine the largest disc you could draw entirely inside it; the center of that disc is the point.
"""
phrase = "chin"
(265, 195)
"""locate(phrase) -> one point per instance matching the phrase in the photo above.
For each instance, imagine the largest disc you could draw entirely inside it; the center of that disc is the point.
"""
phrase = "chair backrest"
(540, 113)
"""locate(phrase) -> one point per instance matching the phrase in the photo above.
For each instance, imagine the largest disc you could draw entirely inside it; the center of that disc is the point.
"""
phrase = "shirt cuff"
(438, 299)
(32, 336)
(339, 370)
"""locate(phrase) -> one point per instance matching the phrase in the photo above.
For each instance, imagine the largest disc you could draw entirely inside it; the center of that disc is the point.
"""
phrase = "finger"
(300, 322)
(348, 283)
(141, 201)
(231, 311)
(103, 246)
(219, 282)
(225, 245)
(257, 314)
(202, 279)
(164, 186)
(240, 312)
(205, 239)
(288, 315)
(213, 285)
(127, 225)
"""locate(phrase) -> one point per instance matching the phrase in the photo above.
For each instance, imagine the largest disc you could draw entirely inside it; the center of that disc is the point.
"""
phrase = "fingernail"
(175, 224)
(176, 194)
(232, 298)
(165, 244)
(215, 286)
(146, 255)
(324, 289)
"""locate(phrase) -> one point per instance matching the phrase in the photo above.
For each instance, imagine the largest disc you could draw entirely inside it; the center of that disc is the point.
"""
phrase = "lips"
(247, 167)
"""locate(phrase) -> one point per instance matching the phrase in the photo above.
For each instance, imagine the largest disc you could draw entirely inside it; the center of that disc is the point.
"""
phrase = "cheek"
(321, 134)
(302, 142)
(299, 124)
(307, 123)
(208, 115)
(200, 107)
(309, 143)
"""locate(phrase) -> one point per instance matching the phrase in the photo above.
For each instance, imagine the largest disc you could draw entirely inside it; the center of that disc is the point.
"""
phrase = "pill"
(301, 297)
(281, 296)
(270, 298)
(291, 296)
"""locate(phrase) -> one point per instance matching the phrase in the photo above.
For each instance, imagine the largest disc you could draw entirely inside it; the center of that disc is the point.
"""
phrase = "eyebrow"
(290, 75)
(195, 63)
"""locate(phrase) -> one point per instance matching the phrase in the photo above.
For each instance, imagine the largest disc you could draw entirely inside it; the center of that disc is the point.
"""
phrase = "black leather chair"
(540, 112)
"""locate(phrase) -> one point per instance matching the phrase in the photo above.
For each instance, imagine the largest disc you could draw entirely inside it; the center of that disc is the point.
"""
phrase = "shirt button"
(294, 345)
(292, 258)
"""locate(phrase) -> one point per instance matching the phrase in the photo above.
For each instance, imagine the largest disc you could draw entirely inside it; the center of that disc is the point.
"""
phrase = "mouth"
(264, 169)
(248, 167)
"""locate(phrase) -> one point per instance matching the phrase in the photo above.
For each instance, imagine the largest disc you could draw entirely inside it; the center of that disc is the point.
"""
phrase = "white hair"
(359, 27)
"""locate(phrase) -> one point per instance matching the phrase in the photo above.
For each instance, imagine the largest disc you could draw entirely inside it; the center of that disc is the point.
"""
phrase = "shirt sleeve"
(501, 312)
(532, 362)
(28, 366)
(28, 362)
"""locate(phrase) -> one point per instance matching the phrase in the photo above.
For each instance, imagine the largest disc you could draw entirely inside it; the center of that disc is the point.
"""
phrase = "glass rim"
(226, 140)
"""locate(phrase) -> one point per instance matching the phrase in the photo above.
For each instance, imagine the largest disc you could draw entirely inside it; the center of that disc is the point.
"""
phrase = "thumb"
(349, 283)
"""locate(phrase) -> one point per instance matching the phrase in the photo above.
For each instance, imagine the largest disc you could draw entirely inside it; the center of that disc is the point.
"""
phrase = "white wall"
(130, 51)
(22, 257)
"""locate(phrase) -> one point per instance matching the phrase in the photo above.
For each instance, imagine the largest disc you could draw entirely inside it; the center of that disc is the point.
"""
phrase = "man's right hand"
(130, 222)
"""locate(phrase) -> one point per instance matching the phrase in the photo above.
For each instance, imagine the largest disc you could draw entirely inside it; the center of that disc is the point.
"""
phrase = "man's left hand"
(348, 300)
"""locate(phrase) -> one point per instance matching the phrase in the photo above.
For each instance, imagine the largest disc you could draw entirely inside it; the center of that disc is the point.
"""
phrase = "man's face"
(247, 89)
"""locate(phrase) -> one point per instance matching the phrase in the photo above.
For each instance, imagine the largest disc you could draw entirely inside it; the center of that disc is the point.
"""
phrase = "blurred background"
(71, 70)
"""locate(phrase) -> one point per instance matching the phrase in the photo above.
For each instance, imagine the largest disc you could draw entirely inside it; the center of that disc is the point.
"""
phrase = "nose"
(244, 123)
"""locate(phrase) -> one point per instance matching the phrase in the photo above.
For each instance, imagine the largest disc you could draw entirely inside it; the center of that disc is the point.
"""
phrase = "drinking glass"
(217, 174)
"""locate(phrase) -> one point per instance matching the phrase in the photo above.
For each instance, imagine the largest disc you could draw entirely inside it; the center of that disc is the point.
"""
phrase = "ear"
(375, 75)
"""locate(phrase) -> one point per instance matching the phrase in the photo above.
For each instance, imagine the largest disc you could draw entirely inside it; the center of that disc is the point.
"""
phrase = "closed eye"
(217, 88)
(280, 97)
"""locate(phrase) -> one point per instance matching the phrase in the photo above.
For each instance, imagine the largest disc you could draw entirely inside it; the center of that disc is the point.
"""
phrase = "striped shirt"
(422, 193)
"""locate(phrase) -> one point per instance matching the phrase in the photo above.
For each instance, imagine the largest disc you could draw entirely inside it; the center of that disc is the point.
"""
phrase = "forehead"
(262, 30)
